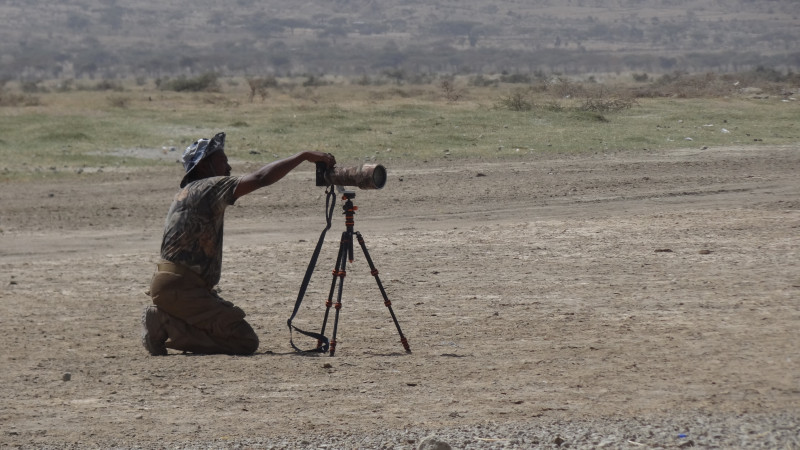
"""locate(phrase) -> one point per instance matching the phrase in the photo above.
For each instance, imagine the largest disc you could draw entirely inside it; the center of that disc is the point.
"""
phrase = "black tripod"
(339, 273)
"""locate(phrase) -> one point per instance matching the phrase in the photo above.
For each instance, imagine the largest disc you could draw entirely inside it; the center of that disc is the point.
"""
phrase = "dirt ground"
(616, 285)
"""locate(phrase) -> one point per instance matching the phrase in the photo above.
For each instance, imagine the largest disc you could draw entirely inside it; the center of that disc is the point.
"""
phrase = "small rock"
(433, 443)
(66, 377)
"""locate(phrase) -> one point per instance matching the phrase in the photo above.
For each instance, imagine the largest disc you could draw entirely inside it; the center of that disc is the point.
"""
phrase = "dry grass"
(65, 131)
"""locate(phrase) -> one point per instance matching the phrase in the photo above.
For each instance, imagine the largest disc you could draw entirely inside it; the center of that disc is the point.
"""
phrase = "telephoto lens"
(366, 176)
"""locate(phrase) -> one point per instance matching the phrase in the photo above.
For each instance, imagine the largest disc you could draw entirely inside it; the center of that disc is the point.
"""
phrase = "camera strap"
(330, 203)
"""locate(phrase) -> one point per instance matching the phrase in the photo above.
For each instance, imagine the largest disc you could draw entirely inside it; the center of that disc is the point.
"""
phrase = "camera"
(366, 176)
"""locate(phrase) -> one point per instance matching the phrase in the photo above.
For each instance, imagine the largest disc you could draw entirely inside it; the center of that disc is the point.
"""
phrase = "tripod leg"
(347, 249)
(386, 301)
(337, 274)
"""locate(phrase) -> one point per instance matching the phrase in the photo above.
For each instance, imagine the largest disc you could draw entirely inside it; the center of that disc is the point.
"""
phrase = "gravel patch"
(771, 431)
(751, 431)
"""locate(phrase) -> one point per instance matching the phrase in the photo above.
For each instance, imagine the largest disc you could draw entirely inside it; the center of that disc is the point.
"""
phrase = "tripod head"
(348, 195)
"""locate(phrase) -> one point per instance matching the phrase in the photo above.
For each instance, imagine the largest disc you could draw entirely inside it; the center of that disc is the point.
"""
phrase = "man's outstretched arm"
(276, 170)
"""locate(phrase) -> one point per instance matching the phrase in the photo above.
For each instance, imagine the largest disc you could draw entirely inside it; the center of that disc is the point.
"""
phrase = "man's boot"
(154, 333)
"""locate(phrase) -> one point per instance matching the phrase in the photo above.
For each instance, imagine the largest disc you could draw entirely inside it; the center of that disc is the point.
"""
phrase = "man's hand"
(315, 157)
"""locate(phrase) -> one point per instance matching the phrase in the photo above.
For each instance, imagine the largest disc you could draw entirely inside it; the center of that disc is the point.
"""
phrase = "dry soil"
(606, 290)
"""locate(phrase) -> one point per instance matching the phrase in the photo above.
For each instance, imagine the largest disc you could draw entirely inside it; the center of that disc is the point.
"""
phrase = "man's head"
(205, 158)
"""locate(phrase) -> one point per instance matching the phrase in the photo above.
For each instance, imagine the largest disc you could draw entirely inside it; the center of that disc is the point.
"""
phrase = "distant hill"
(154, 38)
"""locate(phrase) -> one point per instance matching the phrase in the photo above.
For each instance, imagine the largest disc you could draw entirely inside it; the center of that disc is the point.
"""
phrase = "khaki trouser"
(199, 321)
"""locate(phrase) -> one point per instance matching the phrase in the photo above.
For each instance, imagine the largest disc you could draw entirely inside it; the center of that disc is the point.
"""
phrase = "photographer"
(188, 315)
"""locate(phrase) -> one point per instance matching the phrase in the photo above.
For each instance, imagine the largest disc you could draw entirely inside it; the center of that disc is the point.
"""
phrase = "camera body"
(366, 176)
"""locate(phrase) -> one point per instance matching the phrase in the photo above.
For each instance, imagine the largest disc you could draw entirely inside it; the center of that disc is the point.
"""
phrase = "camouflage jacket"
(193, 229)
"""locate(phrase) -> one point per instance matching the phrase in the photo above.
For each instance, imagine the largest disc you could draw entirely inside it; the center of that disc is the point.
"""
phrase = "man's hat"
(198, 151)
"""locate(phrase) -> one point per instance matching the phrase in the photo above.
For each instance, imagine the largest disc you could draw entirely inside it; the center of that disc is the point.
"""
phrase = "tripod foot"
(404, 341)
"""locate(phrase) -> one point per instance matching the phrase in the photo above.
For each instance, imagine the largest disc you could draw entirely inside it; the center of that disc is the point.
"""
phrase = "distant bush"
(517, 100)
(65, 85)
(683, 85)
(606, 104)
(449, 90)
(32, 86)
(207, 82)
(516, 78)
(421, 78)
(768, 74)
(713, 85)
(554, 106)
(770, 80)
(481, 81)
(570, 98)
(9, 99)
(562, 87)
(314, 81)
(364, 80)
(108, 85)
